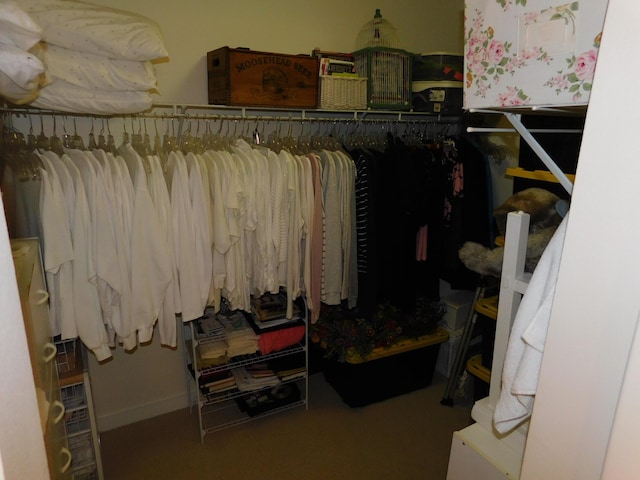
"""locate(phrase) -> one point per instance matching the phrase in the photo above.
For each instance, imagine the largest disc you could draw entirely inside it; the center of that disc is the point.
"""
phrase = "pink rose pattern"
(488, 59)
(513, 97)
(579, 77)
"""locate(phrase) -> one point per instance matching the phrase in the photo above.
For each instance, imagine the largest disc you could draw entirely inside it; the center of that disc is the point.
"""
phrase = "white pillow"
(97, 29)
(88, 70)
(15, 93)
(65, 97)
(22, 74)
(17, 28)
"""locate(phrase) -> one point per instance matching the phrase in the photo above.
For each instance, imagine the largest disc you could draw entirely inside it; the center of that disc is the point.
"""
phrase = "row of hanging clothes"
(426, 195)
(138, 231)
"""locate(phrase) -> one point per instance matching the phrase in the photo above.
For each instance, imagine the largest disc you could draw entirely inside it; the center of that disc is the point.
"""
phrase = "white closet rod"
(513, 130)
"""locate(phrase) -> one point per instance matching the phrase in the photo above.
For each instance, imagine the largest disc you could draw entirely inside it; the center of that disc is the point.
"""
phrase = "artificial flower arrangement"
(342, 333)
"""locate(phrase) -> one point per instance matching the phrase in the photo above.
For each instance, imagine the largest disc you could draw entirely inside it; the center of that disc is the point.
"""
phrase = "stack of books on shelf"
(270, 311)
(256, 376)
(217, 382)
(276, 330)
(291, 367)
(265, 390)
(336, 63)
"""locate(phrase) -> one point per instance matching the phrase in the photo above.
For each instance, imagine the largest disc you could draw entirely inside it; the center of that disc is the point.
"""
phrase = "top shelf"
(303, 114)
(251, 112)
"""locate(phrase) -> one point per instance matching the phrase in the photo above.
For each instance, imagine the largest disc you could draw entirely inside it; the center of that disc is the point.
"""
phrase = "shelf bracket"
(515, 120)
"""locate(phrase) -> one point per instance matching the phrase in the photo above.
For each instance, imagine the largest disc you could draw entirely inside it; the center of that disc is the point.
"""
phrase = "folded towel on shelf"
(214, 349)
(240, 337)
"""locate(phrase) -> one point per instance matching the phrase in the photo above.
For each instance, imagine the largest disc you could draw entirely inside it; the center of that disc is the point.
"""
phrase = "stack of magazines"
(208, 326)
(270, 310)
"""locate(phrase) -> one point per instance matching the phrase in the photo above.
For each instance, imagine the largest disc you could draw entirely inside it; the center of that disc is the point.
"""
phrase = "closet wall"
(284, 26)
(151, 380)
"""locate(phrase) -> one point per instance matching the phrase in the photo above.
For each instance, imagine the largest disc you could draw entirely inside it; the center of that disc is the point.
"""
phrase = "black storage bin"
(387, 372)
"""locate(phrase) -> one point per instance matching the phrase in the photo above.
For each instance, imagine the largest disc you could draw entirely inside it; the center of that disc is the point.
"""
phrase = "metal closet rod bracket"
(516, 121)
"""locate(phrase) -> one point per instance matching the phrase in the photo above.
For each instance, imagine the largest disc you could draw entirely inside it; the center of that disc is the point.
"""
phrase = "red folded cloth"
(279, 339)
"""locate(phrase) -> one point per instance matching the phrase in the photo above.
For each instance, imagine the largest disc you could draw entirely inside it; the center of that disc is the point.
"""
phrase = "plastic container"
(386, 372)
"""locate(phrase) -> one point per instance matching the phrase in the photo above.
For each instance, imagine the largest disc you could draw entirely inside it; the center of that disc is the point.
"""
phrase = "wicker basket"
(343, 93)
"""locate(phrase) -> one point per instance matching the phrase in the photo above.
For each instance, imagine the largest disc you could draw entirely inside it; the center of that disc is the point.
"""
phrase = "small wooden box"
(245, 77)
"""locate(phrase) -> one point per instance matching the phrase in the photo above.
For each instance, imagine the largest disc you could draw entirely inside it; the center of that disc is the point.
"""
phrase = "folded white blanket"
(65, 97)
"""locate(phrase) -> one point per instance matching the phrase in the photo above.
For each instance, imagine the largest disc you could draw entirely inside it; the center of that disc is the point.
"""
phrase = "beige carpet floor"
(407, 437)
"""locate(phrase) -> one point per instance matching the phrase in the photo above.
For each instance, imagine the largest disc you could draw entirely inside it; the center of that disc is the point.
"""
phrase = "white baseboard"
(137, 413)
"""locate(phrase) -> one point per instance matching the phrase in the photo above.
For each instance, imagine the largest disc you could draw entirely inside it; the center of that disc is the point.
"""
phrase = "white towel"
(526, 342)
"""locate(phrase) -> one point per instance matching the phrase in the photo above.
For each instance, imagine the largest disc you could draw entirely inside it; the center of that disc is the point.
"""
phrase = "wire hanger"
(55, 144)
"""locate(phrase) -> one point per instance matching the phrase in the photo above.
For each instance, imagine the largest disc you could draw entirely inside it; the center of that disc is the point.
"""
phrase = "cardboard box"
(244, 77)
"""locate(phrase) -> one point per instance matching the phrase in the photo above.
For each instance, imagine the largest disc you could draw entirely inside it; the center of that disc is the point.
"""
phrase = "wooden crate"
(245, 77)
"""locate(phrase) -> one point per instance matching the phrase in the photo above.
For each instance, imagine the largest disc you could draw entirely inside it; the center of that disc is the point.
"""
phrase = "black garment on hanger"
(470, 215)
(405, 188)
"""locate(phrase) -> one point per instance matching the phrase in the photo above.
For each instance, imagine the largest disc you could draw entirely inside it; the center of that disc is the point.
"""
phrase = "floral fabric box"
(522, 53)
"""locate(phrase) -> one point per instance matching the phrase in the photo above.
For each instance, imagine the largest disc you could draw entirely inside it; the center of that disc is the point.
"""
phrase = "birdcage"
(387, 67)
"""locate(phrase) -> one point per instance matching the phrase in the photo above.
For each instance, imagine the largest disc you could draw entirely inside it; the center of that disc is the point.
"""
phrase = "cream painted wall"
(151, 380)
(193, 27)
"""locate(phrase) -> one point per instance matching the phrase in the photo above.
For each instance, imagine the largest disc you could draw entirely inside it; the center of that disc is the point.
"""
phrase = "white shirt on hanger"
(150, 271)
(184, 237)
(332, 262)
(167, 329)
(89, 321)
(202, 236)
(57, 251)
(108, 276)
